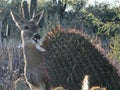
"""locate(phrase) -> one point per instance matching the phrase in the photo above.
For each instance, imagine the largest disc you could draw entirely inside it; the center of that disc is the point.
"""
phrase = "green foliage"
(70, 57)
(77, 4)
(115, 46)
(104, 21)
(107, 18)
(91, 23)
(2, 87)
(52, 8)
(109, 29)
(103, 11)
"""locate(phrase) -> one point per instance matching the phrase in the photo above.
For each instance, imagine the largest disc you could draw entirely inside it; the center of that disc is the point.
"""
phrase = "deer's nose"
(36, 37)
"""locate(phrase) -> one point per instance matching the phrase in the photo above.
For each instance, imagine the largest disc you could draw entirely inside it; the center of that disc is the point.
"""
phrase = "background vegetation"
(100, 21)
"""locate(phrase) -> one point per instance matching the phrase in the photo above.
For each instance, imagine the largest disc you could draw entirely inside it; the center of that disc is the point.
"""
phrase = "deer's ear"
(38, 17)
(19, 20)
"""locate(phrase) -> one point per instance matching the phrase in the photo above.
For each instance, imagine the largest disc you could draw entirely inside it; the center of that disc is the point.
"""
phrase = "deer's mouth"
(36, 37)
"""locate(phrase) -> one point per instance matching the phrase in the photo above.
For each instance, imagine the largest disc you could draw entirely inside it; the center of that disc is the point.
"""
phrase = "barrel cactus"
(70, 57)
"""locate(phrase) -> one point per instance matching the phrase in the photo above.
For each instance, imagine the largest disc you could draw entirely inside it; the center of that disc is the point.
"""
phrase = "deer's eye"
(26, 27)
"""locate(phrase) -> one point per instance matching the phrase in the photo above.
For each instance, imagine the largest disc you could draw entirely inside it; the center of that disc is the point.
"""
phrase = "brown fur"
(35, 70)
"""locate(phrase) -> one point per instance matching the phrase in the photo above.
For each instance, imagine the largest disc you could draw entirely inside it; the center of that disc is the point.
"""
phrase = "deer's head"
(29, 29)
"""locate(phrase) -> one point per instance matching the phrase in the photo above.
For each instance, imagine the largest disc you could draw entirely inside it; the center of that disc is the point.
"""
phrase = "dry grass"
(11, 64)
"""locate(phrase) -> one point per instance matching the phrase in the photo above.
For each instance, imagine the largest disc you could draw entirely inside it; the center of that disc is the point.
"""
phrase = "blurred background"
(100, 19)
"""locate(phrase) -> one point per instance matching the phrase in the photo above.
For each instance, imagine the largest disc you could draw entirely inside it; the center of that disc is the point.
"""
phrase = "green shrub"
(2, 87)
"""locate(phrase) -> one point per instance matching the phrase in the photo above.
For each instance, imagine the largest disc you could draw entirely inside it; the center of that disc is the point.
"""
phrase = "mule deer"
(35, 69)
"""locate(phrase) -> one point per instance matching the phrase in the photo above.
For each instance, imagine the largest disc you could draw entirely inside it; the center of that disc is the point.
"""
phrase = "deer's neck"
(32, 56)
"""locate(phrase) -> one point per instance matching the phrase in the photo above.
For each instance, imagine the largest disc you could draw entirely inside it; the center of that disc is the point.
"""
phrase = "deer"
(35, 69)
